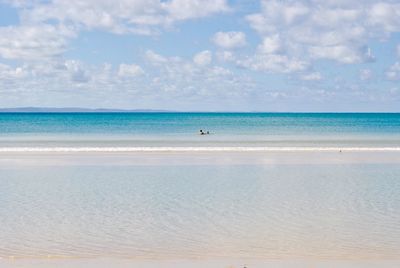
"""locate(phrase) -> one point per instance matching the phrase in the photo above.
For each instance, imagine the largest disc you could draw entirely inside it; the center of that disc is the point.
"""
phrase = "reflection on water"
(182, 211)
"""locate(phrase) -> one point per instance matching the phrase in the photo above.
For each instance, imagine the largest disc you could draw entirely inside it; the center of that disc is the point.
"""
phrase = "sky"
(201, 55)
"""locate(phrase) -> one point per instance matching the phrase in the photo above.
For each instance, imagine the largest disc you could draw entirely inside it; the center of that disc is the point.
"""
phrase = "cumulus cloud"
(225, 56)
(203, 58)
(169, 83)
(318, 29)
(8, 72)
(343, 54)
(229, 40)
(384, 15)
(184, 9)
(270, 45)
(121, 16)
(274, 63)
(315, 76)
(184, 79)
(76, 71)
(292, 36)
(46, 27)
(154, 58)
(272, 57)
(33, 42)
(129, 70)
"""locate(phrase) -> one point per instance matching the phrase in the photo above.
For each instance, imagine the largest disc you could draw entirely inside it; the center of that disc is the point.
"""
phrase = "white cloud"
(190, 9)
(343, 54)
(384, 15)
(8, 72)
(130, 70)
(270, 44)
(203, 58)
(122, 16)
(319, 29)
(271, 57)
(46, 27)
(189, 80)
(393, 73)
(274, 63)
(229, 40)
(77, 71)
(225, 56)
(175, 83)
(154, 58)
(315, 76)
(33, 42)
(292, 34)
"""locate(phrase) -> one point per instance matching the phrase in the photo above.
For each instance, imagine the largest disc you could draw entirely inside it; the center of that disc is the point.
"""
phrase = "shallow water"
(205, 210)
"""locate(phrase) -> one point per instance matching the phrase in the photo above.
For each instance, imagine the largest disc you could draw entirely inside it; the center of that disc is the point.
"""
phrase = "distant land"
(106, 110)
(75, 110)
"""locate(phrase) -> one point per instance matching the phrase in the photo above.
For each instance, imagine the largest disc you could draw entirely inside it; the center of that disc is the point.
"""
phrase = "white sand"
(126, 263)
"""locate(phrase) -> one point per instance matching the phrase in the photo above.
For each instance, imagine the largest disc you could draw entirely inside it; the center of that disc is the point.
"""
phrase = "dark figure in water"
(204, 133)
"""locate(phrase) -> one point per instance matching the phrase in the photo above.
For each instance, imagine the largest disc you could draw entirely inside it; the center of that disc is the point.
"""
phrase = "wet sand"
(241, 263)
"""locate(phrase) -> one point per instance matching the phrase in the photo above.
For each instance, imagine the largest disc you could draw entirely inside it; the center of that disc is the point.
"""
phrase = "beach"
(227, 263)
(200, 134)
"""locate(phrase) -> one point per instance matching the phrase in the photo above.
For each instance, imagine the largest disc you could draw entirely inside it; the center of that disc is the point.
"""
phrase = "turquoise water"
(267, 205)
(177, 211)
(189, 123)
(181, 129)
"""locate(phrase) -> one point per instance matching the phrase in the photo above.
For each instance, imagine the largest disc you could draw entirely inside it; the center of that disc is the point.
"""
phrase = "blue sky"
(209, 55)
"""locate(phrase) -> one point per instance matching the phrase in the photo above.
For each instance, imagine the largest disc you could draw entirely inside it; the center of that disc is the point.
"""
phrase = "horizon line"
(34, 109)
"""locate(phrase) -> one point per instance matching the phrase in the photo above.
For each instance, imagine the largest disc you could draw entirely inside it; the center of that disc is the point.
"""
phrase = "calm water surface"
(181, 129)
(201, 211)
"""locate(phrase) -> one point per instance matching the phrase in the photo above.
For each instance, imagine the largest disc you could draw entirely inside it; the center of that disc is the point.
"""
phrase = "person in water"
(204, 133)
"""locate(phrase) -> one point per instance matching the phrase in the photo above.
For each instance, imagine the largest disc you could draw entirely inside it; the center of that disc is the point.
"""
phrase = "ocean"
(114, 130)
(261, 187)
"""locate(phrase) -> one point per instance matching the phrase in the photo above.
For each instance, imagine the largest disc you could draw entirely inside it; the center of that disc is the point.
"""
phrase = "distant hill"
(74, 110)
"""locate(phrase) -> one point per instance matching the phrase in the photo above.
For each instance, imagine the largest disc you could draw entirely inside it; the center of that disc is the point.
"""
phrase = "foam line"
(195, 149)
